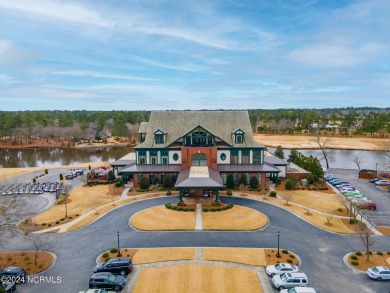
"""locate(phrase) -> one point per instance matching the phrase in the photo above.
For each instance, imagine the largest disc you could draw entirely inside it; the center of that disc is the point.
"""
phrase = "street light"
(376, 169)
(119, 248)
(278, 254)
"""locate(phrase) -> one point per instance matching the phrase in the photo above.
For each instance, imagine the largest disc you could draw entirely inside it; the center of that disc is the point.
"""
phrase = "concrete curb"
(345, 260)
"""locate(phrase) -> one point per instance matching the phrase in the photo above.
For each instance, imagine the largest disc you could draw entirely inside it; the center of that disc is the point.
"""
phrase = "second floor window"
(159, 138)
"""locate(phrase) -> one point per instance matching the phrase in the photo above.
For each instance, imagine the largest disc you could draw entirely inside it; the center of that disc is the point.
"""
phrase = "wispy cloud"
(92, 74)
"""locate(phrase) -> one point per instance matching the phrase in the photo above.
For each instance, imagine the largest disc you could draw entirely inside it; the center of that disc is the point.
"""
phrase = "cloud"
(57, 10)
(335, 55)
(93, 74)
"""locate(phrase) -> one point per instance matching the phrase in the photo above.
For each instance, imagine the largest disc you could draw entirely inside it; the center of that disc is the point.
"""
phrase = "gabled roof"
(220, 123)
(143, 127)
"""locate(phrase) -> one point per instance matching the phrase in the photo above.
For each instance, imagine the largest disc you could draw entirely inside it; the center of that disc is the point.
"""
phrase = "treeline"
(89, 125)
(344, 121)
(69, 125)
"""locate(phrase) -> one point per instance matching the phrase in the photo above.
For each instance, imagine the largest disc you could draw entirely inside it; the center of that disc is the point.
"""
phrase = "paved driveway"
(379, 217)
(320, 251)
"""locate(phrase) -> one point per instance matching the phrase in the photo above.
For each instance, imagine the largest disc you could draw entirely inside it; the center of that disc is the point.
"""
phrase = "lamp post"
(376, 169)
(119, 248)
(278, 254)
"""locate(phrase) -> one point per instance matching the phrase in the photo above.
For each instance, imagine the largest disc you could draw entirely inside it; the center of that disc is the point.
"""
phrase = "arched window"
(199, 160)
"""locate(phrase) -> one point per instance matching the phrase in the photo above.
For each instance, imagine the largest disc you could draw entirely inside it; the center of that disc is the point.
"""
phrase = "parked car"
(8, 287)
(290, 280)
(365, 204)
(328, 176)
(79, 172)
(382, 182)
(15, 274)
(385, 175)
(70, 176)
(373, 180)
(354, 194)
(280, 268)
(379, 273)
(107, 280)
(299, 290)
(118, 266)
(349, 189)
(96, 291)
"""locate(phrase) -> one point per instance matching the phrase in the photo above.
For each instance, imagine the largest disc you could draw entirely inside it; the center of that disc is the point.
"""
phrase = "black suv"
(118, 266)
(107, 281)
(13, 274)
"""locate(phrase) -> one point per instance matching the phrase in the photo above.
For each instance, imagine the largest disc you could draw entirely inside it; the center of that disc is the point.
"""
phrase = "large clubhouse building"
(199, 149)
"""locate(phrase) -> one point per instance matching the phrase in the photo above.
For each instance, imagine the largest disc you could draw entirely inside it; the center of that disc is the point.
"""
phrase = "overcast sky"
(216, 54)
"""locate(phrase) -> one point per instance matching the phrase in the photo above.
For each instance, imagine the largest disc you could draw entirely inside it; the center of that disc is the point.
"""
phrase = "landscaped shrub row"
(179, 208)
(219, 209)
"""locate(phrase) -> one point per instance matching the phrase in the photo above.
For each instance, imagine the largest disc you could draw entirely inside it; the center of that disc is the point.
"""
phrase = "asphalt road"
(321, 252)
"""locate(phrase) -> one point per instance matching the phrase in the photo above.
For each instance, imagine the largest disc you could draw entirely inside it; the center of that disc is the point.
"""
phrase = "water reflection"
(41, 157)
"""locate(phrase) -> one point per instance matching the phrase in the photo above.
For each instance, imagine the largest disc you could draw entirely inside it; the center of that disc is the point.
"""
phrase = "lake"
(46, 157)
(342, 159)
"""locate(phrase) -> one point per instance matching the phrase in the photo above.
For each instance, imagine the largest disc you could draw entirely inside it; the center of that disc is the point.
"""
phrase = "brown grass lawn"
(26, 260)
(321, 201)
(197, 278)
(383, 230)
(237, 218)
(375, 260)
(338, 225)
(150, 255)
(81, 200)
(161, 218)
(249, 256)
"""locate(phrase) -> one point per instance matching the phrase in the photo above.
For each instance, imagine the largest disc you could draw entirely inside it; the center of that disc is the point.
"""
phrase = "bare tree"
(358, 158)
(329, 217)
(287, 197)
(365, 236)
(39, 244)
(12, 210)
(385, 154)
(327, 153)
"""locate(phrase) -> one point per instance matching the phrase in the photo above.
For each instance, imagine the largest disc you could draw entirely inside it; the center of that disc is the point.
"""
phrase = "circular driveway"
(321, 252)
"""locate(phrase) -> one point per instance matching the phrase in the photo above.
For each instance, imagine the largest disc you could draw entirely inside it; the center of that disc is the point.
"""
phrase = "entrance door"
(199, 160)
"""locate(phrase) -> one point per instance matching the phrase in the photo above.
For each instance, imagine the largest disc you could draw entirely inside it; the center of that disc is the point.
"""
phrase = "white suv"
(290, 280)
(299, 290)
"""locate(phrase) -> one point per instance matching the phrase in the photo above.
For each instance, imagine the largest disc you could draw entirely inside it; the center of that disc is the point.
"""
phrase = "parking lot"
(378, 217)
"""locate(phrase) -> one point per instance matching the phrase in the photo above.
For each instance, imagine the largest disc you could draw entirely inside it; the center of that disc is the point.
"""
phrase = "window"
(175, 157)
(198, 138)
(199, 160)
(159, 138)
(245, 157)
(142, 157)
(239, 139)
(142, 137)
(235, 177)
(257, 157)
(153, 157)
(223, 177)
(164, 157)
(234, 157)
(223, 157)
(259, 178)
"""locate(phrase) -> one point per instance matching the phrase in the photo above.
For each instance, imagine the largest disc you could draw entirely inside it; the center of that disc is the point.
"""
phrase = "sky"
(216, 54)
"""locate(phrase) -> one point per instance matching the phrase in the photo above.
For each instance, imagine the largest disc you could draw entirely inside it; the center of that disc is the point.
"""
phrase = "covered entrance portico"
(201, 179)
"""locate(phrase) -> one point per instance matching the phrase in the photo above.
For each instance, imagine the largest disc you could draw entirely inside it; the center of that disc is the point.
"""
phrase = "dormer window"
(239, 136)
(159, 137)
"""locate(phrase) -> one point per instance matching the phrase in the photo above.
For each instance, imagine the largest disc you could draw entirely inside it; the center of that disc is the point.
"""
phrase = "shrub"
(354, 257)
(119, 183)
(43, 224)
(114, 250)
(340, 209)
(155, 180)
(144, 183)
(230, 205)
(167, 181)
(105, 254)
(34, 180)
(62, 219)
(358, 253)
(292, 256)
(230, 181)
(310, 178)
(229, 193)
(205, 210)
(379, 253)
(388, 252)
(243, 180)
(77, 215)
(192, 209)
(272, 193)
(285, 251)
(46, 172)
(174, 207)
(49, 225)
(219, 209)
(288, 184)
(213, 209)
(289, 260)
(224, 208)
(354, 262)
(168, 192)
(61, 177)
(179, 208)
(57, 222)
(186, 209)
(107, 258)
